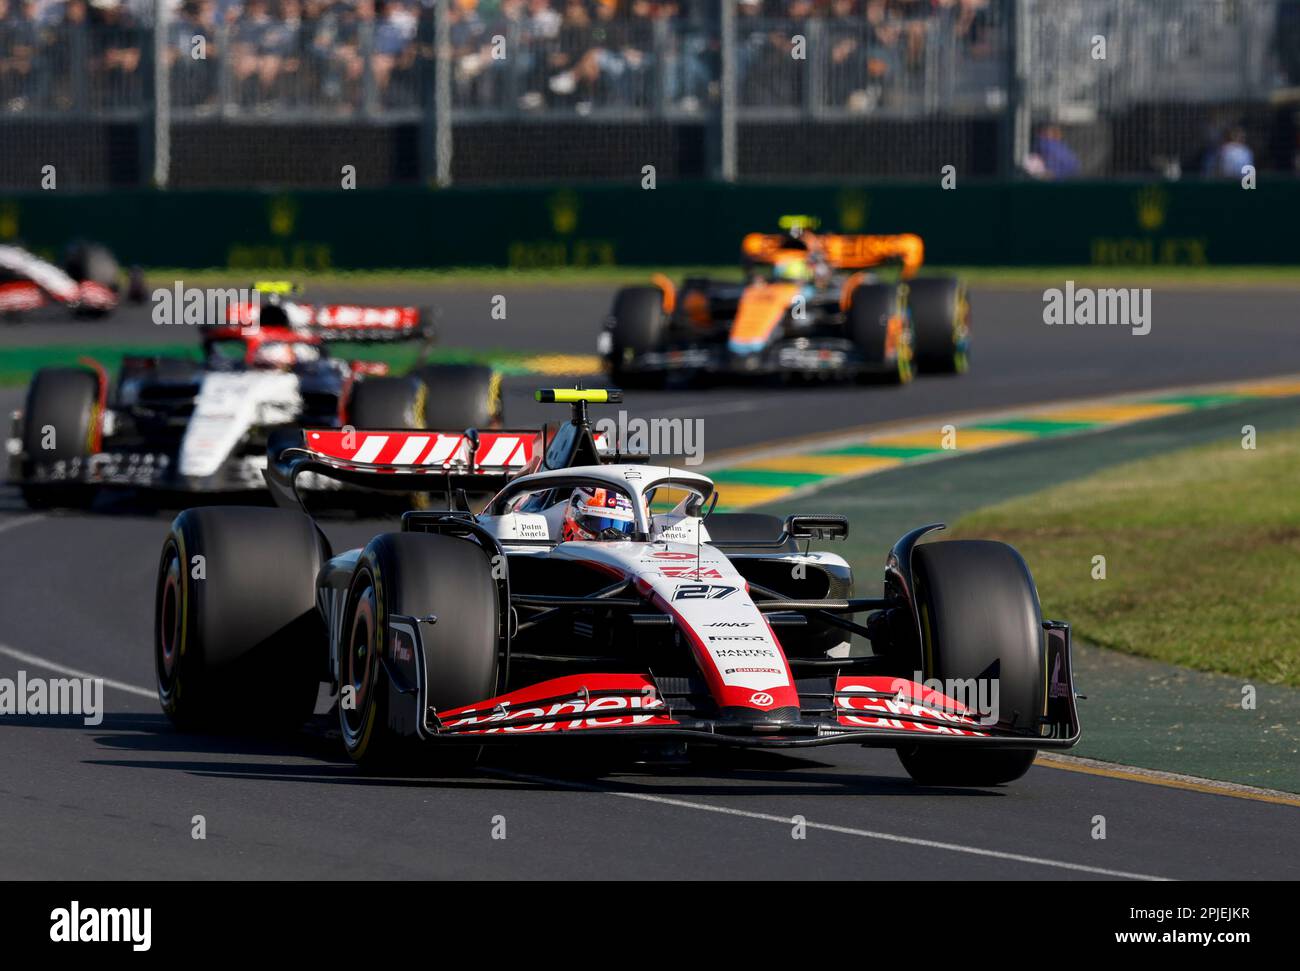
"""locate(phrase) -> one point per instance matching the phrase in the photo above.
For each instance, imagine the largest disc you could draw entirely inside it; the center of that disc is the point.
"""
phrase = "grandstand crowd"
(346, 55)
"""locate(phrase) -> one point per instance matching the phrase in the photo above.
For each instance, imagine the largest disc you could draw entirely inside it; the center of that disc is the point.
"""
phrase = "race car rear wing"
(337, 322)
(844, 252)
(405, 460)
(399, 460)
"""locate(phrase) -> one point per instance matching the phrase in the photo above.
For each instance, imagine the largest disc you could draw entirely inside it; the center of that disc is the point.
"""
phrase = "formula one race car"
(86, 284)
(174, 423)
(800, 311)
(597, 597)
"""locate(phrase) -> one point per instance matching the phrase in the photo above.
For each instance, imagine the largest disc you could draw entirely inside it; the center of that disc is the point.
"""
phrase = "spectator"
(394, 45)
(116, 49)
(1055, 159)
(18, 51)
(1231, 157)
(194, 80)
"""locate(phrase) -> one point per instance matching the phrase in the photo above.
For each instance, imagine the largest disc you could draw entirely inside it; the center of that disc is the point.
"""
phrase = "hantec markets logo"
(91, 925)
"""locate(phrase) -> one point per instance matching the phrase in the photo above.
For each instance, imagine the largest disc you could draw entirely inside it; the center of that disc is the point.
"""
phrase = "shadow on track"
(568, 766)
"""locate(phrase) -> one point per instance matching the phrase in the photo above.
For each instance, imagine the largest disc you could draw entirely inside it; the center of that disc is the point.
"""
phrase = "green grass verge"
(18, 363)
(465, 276)
(1202, 551)
(992, 276)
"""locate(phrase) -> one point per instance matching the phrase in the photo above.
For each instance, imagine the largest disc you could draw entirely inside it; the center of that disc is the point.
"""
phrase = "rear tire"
(872, 308)
(383, 403)
(241, 646)
(980, 619)
(66, 401)
(94, 263)
(639, 327)
(941, 325)
(460, 396)
(418, 574)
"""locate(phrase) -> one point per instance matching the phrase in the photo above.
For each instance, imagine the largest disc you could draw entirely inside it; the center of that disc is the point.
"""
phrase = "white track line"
(829, 827)
(680, 803)
(33, 659)
(19, 521)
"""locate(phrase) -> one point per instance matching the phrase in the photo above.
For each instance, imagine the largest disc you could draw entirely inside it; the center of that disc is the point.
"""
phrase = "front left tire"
(418, 575)
(980, 621)
(61, 418)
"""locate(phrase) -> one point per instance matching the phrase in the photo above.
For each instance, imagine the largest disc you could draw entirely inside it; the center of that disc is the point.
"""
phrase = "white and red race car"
(174, 423)
(597, 597)
(86, 284)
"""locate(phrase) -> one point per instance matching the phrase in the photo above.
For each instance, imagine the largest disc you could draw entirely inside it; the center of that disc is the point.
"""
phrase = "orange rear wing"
(842, 251)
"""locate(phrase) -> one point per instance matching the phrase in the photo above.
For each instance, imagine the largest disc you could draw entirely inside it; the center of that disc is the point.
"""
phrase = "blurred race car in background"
(87, 283)
(175, 423)
(807, 307)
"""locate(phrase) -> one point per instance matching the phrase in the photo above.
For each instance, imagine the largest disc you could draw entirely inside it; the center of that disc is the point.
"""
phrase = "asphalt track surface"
(117, 800)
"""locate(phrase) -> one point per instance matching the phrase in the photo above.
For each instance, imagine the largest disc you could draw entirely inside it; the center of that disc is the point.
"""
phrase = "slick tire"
(460, 396)
(980, 619)
(61, 411)
(940, 325)
(90, 261)
(239, 645)
(872, 307)
(417, 575)
(639, 327)
(387, 403)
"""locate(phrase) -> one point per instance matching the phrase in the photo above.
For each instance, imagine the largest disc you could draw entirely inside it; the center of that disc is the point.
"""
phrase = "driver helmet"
(792, 270)
(595, 513)
(282, 354)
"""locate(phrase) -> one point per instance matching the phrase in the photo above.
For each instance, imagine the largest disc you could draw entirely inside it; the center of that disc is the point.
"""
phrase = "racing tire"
(639, 327)
(238, 642)
(417, 575)
(980, 619)
(382, 403)
(940, 325)
(725, 528)
(460, 396)
(872, 307)
(65, 400)
(90, 261)
(94, 263)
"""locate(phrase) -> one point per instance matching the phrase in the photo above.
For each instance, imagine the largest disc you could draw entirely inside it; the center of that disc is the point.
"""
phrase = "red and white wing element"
(435, 451)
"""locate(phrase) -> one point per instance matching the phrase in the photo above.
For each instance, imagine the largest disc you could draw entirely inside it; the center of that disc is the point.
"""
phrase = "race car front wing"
(844, 707)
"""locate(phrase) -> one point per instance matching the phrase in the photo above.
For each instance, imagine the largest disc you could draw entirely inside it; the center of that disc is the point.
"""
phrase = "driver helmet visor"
(605, 513)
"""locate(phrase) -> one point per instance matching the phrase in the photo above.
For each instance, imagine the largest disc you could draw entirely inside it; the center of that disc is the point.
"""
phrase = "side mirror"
(817, 527)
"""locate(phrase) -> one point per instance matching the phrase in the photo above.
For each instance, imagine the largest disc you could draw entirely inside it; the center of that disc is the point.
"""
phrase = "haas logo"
(761, 698)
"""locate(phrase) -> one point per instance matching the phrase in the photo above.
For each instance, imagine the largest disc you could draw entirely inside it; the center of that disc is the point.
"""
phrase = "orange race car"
(808, 306)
